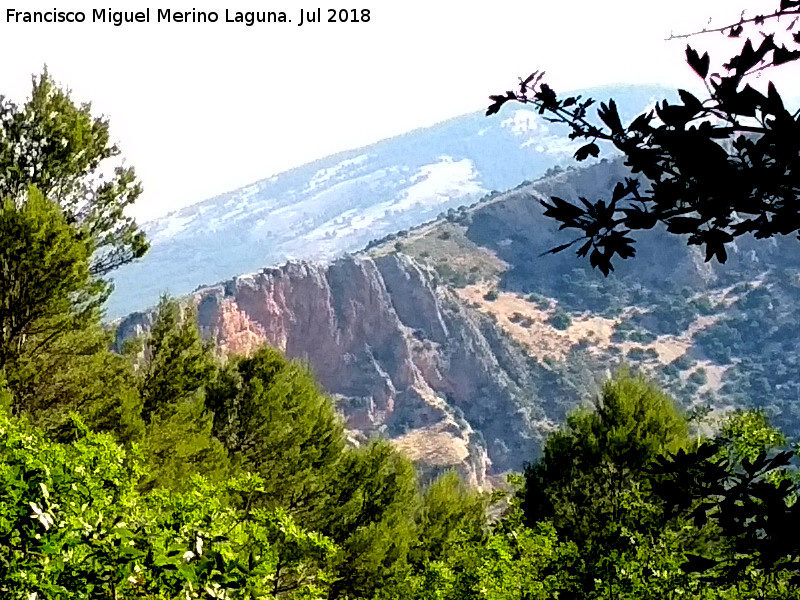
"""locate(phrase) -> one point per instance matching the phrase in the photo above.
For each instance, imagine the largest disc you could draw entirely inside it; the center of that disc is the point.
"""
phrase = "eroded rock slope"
(401, 355)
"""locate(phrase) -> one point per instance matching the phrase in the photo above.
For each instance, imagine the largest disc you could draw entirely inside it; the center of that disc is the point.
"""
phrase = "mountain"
(401, 355)
(465, 345)
(336, 205)
(716, 336)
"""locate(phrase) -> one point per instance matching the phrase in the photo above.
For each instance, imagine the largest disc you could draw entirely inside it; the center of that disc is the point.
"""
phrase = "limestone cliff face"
(402, 356)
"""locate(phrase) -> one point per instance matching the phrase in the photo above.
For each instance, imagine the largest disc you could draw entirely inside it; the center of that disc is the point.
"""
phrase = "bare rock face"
(401, 356)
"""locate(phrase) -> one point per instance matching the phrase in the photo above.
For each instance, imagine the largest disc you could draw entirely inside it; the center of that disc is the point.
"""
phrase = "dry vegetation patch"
(432, 446)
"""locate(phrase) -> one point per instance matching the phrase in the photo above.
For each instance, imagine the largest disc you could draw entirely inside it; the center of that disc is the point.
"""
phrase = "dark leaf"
(584, 152)
(595, 257)
(583, 250)
(610, 117)
(683, 224)
(562, 210)
(636, 218)
(718, 249)
(700, 65)
(547, 96)
(620, 191)
(498, 102)
(782, 55)
(559, 248)
(690, 101)
(642, 122)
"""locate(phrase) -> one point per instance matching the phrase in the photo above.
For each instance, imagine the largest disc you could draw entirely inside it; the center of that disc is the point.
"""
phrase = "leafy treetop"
(57, 146)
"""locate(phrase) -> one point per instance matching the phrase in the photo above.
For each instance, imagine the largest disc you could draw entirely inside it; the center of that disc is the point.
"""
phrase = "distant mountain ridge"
(337, 204)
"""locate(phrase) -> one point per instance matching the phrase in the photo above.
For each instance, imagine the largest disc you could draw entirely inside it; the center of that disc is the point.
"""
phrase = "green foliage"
(73, 525)
(176, 362)
(448, 511)
(77, 372)
(173, 372)
(513, 563)
(748, 434)
(52, 348)
(273, 420)
(592, 481)
(371, 514)
(57, 146)
(599, 454)
(751, 503)
(46, 288)
(560, 320)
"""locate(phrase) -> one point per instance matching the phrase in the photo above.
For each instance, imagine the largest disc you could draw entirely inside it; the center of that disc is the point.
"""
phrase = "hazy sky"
(200, 109)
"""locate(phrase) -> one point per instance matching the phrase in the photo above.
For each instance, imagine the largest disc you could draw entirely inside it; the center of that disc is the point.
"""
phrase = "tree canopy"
(712, 168)
(60, 148)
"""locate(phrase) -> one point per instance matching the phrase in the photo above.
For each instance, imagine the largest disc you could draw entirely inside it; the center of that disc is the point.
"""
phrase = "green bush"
(560, 320)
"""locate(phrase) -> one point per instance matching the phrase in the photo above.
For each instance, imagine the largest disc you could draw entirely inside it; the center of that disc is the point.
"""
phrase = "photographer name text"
(118, 18)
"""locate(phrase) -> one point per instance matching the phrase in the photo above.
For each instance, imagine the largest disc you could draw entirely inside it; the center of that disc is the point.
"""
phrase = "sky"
(200, 108)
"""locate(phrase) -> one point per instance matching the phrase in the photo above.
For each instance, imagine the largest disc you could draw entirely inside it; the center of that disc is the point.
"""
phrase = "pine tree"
(601, 454)
(47, 290)
(173, 375)
(274, 420)
(449, 511)
(177, 364)
(59, 147)
(372, 518)
(593, 481)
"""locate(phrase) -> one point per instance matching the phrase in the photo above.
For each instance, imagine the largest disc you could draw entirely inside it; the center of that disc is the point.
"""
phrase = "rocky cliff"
(401, 355)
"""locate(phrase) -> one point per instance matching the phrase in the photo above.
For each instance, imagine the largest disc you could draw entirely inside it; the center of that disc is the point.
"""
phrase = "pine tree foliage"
(177, 364)
(273, 419)
(449, 511)
(46, 286)
(602, 454)
(57, 146)
(172, 377)
(372, 517)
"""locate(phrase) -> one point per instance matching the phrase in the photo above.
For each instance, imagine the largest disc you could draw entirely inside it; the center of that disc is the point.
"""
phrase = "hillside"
(459, 341)
(715, 335)
(402, 356)
(339, 203)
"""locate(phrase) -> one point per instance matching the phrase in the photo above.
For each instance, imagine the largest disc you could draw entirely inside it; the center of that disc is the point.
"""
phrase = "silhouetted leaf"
(609, 115)
(620, 191)
(583, 250)
(700, 65)
(683, 224)
(690, 101)
(584, 152)
(559, 248)
(498, 102)
(782, 55)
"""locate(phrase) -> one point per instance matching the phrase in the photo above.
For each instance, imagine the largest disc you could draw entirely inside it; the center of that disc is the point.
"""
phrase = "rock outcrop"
(401, 355)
